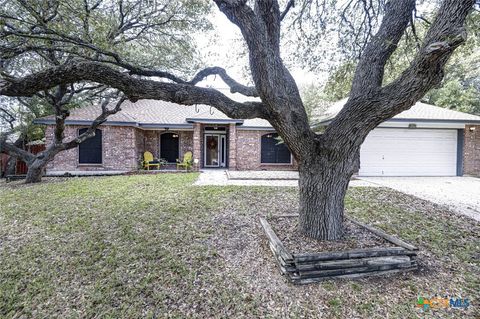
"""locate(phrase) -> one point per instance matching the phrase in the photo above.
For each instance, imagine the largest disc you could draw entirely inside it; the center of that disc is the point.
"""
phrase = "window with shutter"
(90, 150)
(273, 151)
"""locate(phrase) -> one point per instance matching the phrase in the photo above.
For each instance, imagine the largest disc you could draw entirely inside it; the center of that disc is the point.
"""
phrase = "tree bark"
(323, 184)
(11, 166)
(35, 171)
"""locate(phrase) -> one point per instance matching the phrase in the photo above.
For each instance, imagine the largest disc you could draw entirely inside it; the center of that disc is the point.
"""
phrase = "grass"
(156, 247)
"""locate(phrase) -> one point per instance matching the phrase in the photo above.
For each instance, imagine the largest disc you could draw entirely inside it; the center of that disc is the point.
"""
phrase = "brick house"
(168, 131)
(423, 141)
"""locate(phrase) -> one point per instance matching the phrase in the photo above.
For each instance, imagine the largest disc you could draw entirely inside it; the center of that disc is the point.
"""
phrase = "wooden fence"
(21, 167)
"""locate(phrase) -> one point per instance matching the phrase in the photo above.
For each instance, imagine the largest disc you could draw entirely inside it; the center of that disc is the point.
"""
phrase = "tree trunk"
(35, 171)
(11, 168)
(323, 185)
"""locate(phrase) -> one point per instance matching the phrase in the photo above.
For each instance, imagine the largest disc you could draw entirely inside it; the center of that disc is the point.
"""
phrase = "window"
(169, 147)
(273, 151)
(90, 150)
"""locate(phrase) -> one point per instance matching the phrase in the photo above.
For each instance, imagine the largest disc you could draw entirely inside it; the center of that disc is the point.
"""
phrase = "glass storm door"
(215, 150)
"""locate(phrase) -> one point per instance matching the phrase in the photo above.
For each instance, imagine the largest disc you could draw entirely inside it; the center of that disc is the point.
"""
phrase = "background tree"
(328, 160)
(459, 90)
(134, 34)
(315, 101)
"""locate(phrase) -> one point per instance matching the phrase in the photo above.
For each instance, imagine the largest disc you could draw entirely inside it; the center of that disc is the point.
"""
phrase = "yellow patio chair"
(187, 161)
(149, 161)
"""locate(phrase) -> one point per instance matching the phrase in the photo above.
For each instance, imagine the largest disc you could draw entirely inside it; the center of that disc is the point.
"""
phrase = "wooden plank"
(351, 254)
(351, 263)
(285, 216)
(284, 267)
(385, 236)
(299, 281)
(277, 244)
(345, 271)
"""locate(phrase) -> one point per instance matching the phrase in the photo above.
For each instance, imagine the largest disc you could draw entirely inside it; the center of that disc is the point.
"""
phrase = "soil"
(355, 237)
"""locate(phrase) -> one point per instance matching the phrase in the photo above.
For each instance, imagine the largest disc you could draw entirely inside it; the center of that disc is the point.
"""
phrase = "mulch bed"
(363, 251)
(355, 237)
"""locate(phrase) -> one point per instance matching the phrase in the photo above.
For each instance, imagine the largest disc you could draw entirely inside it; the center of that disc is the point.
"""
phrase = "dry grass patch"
(156, 247)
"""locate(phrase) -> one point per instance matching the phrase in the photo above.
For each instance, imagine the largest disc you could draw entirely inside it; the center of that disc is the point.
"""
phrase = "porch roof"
(157, 114)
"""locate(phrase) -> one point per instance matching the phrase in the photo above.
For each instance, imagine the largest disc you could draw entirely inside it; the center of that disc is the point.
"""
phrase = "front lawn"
(155, 246)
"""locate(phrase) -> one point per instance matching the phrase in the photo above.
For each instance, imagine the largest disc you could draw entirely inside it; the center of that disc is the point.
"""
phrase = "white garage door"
(409, 152)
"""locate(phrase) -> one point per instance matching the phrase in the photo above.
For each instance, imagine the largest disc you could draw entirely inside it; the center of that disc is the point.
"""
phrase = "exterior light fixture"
(412, 125)
(471, 128)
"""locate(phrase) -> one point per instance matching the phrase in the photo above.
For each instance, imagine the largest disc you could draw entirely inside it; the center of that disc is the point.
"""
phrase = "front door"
(215, 150)
(169, 147)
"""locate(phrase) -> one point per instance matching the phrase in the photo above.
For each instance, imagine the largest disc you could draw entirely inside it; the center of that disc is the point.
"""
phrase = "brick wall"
(152, 143)
(116, 155)
(186, 142)
(123, 147)
(471, 151)
(139, 144)
(232, 146)
(249, 150)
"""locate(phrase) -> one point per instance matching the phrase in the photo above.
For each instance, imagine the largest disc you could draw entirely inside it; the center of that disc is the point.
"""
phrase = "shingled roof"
(418, 112)
(156, 114)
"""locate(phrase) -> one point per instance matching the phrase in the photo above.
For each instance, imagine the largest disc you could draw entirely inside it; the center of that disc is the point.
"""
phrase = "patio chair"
(187, 161)
(149, 161)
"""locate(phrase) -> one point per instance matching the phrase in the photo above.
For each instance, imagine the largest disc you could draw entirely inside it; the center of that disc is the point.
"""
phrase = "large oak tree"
(328, 160)
(36, 35)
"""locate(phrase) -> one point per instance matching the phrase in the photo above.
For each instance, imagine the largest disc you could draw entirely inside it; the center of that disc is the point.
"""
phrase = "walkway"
(219, 177)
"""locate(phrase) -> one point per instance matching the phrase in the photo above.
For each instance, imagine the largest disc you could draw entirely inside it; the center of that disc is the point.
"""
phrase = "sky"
(220, 52)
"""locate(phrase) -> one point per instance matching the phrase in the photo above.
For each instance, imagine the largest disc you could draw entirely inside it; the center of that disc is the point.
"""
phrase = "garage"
(409, 152)
(425, 140)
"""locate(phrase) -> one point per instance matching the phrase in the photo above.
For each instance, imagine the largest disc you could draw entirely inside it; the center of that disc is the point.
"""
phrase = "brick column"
(232, 147)
(197, 143)
(471, 151)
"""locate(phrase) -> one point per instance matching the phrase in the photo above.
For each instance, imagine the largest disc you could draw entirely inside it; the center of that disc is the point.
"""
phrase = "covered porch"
(212, 144)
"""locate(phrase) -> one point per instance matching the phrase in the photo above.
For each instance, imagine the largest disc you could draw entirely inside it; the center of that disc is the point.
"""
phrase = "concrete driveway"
(461, 194)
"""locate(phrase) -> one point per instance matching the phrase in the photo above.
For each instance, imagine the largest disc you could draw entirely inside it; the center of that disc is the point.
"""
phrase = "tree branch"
(90, 132)
(363, 112)
(268, 12)
(133, 88)
(235, 87)
(370, 70)
(14, 150)
(8, 117)
(290, 4)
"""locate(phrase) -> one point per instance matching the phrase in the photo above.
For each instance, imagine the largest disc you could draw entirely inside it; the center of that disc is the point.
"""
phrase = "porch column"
(232, 147)
(197, 143)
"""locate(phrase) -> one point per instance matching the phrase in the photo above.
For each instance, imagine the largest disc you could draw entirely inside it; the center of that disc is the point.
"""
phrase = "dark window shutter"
(90, 150)
(272, 152)
(283, 153)
(169, 147)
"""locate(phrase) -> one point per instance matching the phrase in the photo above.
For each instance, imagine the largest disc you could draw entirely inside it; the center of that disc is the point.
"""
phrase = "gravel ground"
(218, 177)
(460, 194)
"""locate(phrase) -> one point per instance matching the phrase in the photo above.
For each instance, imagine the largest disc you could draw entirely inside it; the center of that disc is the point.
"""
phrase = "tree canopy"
(460, 89)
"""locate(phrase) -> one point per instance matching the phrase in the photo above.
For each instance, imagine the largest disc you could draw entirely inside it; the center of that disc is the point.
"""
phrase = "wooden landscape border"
(356, 263)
